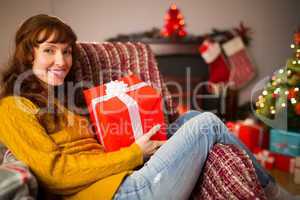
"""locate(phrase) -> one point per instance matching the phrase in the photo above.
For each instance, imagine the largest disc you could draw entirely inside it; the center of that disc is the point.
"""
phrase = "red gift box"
(284, 162)
(123, 110)
(265, 158)
(250, 133)
(297, 170)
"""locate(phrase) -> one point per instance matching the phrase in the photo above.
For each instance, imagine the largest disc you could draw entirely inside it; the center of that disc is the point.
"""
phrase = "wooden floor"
(286, 180)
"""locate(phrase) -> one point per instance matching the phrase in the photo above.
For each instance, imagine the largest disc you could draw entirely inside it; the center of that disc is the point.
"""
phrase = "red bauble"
(292, 93)
(297, 38)
(275, 95)
(297, 109)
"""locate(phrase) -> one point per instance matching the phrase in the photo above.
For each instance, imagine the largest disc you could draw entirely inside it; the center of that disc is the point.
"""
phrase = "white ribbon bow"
(116, 88)
(265, 157)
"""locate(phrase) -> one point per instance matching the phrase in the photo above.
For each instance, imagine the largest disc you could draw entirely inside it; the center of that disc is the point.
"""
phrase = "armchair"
(228, 173)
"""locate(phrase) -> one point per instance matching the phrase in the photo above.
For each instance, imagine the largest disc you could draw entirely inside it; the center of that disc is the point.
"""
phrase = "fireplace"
(186, 75)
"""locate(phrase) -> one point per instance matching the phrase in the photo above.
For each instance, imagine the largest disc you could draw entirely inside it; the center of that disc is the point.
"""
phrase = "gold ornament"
(294, 79)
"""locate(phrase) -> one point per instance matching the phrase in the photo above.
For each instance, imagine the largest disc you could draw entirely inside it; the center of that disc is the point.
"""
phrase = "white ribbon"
(265, 157)
(119, 89)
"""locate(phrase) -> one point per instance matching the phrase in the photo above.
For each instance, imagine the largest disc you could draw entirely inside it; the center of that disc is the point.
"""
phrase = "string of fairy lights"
(283, 89)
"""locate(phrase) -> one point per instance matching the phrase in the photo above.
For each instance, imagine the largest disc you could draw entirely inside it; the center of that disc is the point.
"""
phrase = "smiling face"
(52, 61)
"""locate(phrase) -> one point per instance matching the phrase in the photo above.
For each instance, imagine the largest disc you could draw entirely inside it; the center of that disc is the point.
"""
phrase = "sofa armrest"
(228, 174)
(16, 180)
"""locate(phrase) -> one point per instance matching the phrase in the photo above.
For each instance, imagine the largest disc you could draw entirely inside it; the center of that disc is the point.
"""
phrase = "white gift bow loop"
(115, 88)
(119, 89)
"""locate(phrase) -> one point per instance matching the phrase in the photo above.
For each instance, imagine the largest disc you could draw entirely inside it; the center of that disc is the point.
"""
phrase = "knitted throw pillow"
(228, 174)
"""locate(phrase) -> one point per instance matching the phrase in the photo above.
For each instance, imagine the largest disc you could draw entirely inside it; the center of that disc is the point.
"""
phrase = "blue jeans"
(172, 172)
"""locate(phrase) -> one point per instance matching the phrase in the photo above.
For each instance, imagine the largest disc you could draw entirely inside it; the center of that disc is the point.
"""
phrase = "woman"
(40, 129)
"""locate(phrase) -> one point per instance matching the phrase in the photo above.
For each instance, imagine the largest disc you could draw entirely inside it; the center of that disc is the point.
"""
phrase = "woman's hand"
(149, 147)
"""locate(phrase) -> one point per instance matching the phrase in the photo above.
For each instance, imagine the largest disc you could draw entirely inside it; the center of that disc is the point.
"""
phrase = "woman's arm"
(21, 132)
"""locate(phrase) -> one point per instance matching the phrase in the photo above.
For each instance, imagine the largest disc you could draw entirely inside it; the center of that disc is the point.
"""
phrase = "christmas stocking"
(218, 67)
(242, 70)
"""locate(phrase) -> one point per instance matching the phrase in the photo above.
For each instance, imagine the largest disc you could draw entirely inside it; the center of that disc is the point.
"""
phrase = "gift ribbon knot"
(116, 88)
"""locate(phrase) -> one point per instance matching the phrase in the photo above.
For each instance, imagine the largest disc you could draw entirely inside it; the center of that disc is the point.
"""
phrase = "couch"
(228, 172)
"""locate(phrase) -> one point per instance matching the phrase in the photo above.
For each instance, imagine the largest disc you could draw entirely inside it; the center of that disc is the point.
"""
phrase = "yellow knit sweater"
(69, 162)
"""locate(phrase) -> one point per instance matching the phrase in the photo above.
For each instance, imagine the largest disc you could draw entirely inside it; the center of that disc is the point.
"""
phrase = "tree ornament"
(294, 79)
(297, 38)
(293, 100)
(297, 109)
(274, 95)
(292, 93)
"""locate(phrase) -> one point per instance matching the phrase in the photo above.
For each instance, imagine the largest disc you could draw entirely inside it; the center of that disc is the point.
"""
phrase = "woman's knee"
(208, 120)
(209, 116)
(189, 114)
(193, 112)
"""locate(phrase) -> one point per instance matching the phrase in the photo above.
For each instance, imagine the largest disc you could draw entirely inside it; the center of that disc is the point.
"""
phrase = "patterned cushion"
(17, 182)
(228, 174)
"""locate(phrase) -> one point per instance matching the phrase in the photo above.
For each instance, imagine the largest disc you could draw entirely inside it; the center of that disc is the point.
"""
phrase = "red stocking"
(218, 67)
(242, 70)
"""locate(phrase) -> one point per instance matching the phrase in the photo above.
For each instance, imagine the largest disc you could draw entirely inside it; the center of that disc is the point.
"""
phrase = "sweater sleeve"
(26, 138)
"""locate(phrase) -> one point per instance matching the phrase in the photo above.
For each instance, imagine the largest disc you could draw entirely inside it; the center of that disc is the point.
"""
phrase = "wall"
(272, 22)
(12, 13)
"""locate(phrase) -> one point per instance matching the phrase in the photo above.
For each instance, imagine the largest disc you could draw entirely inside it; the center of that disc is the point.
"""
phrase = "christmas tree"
(174, 23)
(281, 93)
